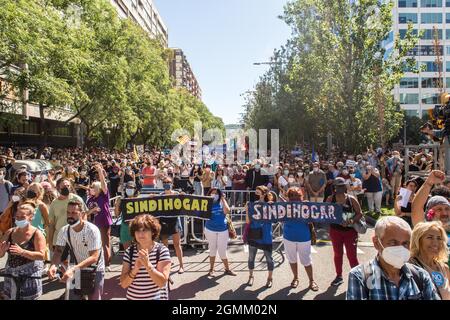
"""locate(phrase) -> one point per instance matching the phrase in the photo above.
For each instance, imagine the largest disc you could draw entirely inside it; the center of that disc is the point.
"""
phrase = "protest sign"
(296, 211)
(167, 206)
(350, 163)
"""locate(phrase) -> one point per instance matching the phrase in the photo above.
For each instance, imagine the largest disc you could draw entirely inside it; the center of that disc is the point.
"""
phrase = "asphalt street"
(194, 284)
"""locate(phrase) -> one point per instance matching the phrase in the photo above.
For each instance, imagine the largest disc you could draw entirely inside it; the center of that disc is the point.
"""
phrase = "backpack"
(158, 255)
(367, 272)
(8, 189)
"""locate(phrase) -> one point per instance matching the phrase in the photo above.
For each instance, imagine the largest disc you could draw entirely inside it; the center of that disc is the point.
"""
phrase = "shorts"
(300, 249)
(170, 226)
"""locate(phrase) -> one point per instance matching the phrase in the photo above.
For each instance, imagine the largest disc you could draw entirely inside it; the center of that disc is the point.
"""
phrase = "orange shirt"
(149, 171)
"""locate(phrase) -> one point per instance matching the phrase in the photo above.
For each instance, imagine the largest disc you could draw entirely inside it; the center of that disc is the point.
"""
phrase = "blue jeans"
(252, 256)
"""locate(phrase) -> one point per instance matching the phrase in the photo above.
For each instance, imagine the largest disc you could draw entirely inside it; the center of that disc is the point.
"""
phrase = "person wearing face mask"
(34, 194)
(99, 202)
(58, 209)
(373, 188)
(7, 218)
(5, 191)
(429, 252)
(196, 176)
(316, 184)
(216, 231)
(283, 182)
(171, 226)
(355, 186)
(389, 276)
(260, 237)
(254, 178)
(25, 245)
(82, 183)
(130, 192)
(85, 243)
(344, 234)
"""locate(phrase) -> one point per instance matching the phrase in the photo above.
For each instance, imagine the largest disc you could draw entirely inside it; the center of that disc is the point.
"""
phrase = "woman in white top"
(429, 251)
(220, 182)
(146, 264)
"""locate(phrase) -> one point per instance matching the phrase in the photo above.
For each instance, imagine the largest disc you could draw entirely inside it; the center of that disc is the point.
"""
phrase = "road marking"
(358, 251)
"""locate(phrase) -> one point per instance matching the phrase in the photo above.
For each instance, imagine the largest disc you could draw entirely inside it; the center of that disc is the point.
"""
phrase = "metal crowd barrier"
(238, 198)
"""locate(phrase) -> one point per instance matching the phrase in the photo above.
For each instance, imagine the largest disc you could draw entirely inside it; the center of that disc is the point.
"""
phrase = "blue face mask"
(167, 186)
(22, 223)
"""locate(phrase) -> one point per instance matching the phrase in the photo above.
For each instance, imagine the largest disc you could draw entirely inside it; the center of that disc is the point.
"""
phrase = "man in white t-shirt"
(86, 251)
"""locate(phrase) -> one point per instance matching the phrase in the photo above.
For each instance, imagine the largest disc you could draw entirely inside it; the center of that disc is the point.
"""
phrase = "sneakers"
(337, 282)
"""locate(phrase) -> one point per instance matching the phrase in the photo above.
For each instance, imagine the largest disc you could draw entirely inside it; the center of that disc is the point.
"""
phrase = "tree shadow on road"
(189, 290)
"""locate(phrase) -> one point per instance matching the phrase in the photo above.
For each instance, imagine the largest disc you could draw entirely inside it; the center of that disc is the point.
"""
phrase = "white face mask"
(395, 256)
(316, 170)
(15, 198)
(129, 192)
(300, 174)
(291, 180)
(352, 175)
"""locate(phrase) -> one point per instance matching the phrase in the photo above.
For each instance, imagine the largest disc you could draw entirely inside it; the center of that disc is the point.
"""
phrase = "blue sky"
(221, 40)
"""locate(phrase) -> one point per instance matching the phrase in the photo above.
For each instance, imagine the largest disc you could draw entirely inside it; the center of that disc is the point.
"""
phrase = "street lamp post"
(108, 132)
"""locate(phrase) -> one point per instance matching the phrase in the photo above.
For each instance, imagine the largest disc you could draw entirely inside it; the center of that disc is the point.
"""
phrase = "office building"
(182, 74)
(145, 14)
(418, 93)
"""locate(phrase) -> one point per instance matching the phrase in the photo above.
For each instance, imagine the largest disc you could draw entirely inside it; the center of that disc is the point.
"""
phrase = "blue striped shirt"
(378, 286)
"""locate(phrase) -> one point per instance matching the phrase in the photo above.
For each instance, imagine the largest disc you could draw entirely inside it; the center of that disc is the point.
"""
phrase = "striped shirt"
(143, 287)
(88, 239)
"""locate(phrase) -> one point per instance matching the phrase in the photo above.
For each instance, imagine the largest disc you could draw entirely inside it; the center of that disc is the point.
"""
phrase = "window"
(409, 98)
(407, 3)
(409, 83)
(432, 98)
(407, 17)
(431, 3)
(412, 113)
(430, 34)
(430, 83)
(447, 17)
(402, 33)
(431, 18)
(447, 67)
(447, 34)
(447, 83)
(430, 66)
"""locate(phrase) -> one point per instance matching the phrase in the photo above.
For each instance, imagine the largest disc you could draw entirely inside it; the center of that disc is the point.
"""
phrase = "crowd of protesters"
(65, 212)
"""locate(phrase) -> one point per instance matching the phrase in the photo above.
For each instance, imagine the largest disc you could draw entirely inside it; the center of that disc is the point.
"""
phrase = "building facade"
(145, 14)
(418, 93)
(182, 74)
